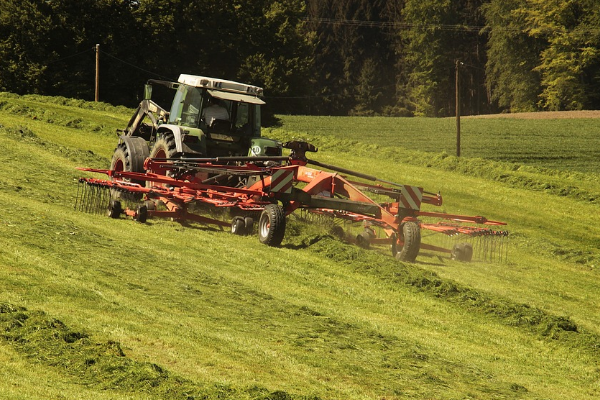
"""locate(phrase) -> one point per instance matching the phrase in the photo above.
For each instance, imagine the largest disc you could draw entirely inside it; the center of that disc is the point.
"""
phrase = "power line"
(71, 56)
(396, 25)
(135, 66)
(441, 27)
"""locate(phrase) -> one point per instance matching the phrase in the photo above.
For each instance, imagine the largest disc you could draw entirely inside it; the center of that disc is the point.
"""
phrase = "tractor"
(207, 152)
(192, 128)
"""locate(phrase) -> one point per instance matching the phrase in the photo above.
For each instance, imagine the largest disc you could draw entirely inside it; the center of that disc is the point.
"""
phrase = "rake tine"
(86, 200)
(77, 196)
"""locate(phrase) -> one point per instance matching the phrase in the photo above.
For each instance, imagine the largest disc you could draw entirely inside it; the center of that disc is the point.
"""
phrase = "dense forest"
(320, 57)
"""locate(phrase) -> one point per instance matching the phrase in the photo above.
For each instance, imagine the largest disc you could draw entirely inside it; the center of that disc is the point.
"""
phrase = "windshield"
(195, 107)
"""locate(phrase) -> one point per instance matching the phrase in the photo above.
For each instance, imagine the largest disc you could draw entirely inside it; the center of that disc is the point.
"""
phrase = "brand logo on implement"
(411, 197)
(281, 181)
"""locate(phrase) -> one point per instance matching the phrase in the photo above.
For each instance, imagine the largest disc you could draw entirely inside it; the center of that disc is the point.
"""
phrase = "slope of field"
(92, 307)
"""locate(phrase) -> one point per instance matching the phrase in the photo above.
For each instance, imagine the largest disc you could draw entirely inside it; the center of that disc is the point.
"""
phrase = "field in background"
(92, 307)
(549, 141)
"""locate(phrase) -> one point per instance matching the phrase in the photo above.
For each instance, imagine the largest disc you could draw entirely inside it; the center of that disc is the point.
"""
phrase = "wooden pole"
(97, 96)
(458, 63)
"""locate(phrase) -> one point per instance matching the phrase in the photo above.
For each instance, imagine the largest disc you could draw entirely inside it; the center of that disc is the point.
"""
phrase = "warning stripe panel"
(411, 197)
(281, 181)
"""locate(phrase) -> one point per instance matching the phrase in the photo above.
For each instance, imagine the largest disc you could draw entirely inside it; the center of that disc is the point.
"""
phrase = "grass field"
(567, 144)
(92, 307)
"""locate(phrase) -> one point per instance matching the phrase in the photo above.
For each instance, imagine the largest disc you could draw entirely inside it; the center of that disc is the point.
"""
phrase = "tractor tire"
(129, 156)
(271, 225)
(123, 160)
(411, 237)
(164, 147)
(462, 252)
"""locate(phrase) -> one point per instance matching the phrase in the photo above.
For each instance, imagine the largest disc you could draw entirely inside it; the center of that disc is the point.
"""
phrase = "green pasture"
(565, 144)
(92, 307)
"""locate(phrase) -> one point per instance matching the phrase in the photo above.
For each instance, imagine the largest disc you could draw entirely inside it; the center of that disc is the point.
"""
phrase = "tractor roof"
(220, 85)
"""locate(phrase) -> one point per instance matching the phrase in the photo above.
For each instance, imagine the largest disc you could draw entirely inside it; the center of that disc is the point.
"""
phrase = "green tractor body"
(208, 117)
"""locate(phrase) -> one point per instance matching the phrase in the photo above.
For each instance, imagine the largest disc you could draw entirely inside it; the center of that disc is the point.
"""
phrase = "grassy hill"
(92, 307)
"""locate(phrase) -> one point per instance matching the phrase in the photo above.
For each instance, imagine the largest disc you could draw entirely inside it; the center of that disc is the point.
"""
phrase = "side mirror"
(147, 92)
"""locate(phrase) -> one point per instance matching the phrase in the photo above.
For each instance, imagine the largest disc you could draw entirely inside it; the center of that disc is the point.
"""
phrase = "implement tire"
(411, 237)
(271, 225)
(462, 252)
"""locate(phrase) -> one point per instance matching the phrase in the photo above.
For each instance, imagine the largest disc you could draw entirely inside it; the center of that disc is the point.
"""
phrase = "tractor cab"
(218, 117)
(208, 117)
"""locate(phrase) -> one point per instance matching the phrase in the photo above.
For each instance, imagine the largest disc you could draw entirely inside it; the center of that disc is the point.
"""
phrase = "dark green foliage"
(438, 34)
(49, 46)
(333, 57)
(543, 55)
(512, 57)
(354, 62)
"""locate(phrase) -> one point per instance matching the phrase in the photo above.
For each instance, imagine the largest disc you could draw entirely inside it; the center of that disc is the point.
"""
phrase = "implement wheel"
(238, 226)
(271, 226)
(411, 237)
(114, 208)
(462, 252)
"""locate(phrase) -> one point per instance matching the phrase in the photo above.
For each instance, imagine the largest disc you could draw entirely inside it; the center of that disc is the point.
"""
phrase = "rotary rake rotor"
(265, 190)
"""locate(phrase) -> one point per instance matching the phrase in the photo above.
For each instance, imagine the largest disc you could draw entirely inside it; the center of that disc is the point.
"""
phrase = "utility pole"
(458, 64)
(97, 96)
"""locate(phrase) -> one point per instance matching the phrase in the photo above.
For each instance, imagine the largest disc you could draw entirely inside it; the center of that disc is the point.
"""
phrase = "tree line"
(322, 57)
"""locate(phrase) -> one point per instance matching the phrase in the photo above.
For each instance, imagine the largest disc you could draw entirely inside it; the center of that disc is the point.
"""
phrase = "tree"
(354, 56)
(513, 56)
(25, 35)
(434, 35)
(569, 63)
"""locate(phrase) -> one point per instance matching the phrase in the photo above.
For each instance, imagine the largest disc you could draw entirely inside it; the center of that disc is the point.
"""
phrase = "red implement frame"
(294, 185)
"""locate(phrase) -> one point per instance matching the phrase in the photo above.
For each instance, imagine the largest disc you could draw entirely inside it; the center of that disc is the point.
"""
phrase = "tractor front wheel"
(411, 237)
(271, 226)
(164, 147)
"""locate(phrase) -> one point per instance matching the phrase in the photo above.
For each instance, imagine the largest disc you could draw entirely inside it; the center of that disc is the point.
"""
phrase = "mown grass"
(100, 308)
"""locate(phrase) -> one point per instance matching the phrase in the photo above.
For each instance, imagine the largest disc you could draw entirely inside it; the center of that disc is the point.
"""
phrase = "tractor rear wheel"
(411, 237)
(125, 159)
(271, 225)
(129, 156)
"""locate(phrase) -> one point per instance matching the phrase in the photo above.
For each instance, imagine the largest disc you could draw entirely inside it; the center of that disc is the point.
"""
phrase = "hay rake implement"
(268, 189)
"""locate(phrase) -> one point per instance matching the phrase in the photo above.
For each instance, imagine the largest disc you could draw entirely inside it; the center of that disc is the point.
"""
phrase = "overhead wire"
(441, 27)
(395, 25)
(71, 56)
(135, 66)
